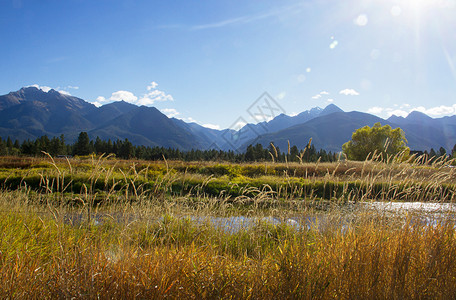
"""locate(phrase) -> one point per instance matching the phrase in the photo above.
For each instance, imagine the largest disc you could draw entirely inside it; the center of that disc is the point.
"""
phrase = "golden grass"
(165, 246)
(344, 181)
(154, 251)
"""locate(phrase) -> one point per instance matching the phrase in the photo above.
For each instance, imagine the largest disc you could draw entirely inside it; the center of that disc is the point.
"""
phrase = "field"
(97, 227)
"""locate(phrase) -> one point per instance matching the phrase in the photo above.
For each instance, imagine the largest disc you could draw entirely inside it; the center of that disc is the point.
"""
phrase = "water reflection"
(404, 207)
(420, 213)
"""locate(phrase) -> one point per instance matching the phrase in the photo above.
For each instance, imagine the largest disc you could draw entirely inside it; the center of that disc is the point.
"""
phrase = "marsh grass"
(374, 179)
(105, 229)
(154, 254)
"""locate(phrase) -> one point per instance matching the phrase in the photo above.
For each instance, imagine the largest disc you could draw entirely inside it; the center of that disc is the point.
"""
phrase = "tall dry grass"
(371, 256)
(138, 241)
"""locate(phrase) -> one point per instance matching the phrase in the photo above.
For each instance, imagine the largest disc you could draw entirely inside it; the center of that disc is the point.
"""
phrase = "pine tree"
(82, 146)
(99, 147)
(3, 150)
(9, 146)
(126, 149)
(442, 151)
(432, 155)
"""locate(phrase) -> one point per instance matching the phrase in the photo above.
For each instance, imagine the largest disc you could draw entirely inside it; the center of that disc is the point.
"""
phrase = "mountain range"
(30, 113)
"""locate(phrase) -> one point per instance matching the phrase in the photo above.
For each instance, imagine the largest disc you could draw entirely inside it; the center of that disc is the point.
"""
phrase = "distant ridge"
(30, 113)
(422, 130)
(328, 131)
(330, 109)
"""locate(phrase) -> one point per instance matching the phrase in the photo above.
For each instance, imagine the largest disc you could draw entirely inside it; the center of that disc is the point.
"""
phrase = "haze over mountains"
(30, 113)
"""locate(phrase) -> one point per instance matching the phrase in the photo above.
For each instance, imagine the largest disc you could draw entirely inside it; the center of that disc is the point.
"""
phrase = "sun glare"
(420, 3)
(421, 12)
(426, 4)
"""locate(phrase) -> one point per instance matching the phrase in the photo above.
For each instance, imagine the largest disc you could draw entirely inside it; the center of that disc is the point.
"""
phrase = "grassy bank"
(342, 181)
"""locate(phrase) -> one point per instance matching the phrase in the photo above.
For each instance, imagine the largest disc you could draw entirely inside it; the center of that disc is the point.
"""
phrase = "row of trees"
(125, 149)
(383, 140)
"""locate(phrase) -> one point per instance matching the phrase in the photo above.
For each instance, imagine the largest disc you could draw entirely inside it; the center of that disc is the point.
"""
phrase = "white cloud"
(189, 120)
(123, 95)
(349, 92)
(375, 110)
(43, 88)
(170, 112)
(64, 90)
(248, 18)
(101, 99)
(333, 44)
(64, 93)
(404, 109)
(173, 113)
(152, 86)
(319, 95)
(441, 110)
(212, 126)
(419, 108)
(46, 89)
(281, 95)
(233, 21)
(68, 87)
(153, 95)
(397, 112)
(330, 100)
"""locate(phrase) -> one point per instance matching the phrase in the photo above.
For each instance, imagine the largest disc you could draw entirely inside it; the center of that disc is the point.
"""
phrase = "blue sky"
(208, 61)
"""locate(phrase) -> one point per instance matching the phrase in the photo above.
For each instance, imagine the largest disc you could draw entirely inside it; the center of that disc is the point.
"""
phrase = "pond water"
(420, 212)
(423, 213)
(406, 207)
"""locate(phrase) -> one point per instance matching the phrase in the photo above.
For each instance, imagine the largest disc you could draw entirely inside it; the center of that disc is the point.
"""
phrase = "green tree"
(250, 153)
(27, 147)
(3, 149)
(442, 151)
(432, 154)
(57, 146)
(126, 149)
(109, 147)
(379, 139)
(259, 152)
(82, 146)
(453, 151)
(9, 143)
(99, 146)
(44, 143)
(294, 153)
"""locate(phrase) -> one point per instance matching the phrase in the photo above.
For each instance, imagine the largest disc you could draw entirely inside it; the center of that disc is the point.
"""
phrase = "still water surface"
(419, 212)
